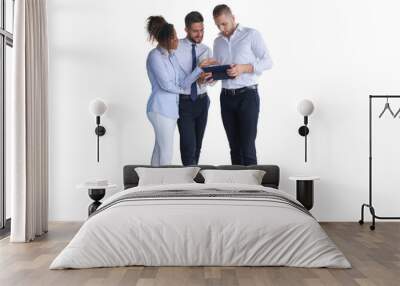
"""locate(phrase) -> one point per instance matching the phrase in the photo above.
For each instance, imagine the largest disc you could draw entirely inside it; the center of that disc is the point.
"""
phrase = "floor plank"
(375, 257)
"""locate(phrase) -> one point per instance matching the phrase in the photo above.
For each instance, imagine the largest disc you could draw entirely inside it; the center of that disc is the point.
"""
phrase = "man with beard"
(194, 103)
(244, 49)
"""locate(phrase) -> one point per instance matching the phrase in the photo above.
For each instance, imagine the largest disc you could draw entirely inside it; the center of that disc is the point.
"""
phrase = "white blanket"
(200, 231)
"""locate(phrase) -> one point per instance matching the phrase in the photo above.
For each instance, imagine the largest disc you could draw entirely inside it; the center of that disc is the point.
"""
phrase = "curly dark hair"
(160, 30)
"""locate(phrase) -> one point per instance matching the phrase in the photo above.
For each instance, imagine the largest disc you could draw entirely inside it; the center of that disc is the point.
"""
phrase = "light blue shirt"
(245, 46)
(167, 81)
(184, 56)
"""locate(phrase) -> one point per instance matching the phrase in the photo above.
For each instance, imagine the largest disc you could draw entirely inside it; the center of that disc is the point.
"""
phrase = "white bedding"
(200, 231)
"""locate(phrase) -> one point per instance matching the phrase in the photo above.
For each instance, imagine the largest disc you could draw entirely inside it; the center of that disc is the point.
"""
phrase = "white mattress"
(200, 231)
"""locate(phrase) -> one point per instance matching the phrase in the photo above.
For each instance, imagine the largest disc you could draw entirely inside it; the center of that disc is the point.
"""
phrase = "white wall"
(335, 53)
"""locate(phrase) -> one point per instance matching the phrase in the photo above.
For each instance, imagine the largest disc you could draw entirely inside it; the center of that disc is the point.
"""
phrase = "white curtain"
(28, 118)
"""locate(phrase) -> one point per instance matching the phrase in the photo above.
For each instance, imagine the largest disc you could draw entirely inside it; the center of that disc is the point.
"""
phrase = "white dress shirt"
(184, 55)
(245, 46)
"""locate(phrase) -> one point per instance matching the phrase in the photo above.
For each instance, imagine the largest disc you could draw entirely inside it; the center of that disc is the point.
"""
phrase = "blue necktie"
(193, 87)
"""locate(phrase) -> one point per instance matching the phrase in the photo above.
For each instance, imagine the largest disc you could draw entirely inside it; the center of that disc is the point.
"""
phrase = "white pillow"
(248, 177)
(165, 176)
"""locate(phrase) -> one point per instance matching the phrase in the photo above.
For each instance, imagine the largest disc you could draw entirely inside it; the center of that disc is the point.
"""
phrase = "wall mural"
(181, 70)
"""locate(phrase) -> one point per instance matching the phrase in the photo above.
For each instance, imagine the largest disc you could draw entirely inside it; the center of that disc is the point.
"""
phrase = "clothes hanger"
(387, 107)
(397, 113)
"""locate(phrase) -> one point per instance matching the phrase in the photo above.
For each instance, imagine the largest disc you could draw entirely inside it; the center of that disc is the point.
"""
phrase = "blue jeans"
(164, 130)
(240, 117)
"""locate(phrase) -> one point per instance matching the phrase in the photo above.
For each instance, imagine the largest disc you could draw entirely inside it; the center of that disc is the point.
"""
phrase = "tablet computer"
(218, 71)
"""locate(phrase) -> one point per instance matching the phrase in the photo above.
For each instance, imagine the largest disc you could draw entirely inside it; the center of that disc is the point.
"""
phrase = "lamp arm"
(98, 136)
(98, 146)
(305, 149)
(100, 131)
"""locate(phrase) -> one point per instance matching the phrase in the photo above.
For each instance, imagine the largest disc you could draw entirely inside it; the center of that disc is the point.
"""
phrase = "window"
(9, 19)
(6, 44)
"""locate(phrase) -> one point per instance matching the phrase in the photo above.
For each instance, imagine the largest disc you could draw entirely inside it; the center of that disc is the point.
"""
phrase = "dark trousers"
(192, 123)
(240, 117)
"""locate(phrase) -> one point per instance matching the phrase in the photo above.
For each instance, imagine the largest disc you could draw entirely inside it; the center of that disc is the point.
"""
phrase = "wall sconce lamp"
(305, 108)
(97, 107)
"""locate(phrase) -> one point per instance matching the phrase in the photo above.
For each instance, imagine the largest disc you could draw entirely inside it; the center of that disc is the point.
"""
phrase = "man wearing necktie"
(194, 103)
(244, 49)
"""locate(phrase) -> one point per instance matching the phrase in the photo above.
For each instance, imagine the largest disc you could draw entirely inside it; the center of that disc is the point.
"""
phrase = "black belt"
(187, 96)
(235, 91)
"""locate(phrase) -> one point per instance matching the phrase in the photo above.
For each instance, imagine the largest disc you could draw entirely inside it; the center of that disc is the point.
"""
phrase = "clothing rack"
(370, 205)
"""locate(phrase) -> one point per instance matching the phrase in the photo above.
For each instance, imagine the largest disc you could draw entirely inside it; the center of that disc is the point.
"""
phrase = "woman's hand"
(208, 62)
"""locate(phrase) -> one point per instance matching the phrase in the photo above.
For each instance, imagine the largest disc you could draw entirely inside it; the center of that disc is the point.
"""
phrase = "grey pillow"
(166, 176)
(248, 177)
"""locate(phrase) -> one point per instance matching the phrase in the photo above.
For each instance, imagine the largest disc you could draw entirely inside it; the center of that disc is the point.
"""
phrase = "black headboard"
(271, 177)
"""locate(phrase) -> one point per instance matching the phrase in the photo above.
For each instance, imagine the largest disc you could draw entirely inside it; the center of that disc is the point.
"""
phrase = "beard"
(196, 40)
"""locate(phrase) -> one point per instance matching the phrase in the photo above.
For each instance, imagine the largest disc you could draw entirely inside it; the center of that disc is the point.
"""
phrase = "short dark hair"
(193, 17)
(221, 9)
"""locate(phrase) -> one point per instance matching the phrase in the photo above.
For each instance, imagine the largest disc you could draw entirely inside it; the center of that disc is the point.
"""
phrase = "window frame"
(6, 39)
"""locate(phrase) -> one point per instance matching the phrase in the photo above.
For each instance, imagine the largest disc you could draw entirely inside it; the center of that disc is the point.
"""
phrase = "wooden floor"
(374, 255)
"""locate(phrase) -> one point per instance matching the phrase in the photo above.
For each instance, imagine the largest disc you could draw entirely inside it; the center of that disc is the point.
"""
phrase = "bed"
(201, 224)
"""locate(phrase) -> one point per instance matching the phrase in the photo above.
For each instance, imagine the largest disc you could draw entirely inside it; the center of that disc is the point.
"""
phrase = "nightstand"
(305, 190)
(96, 193)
